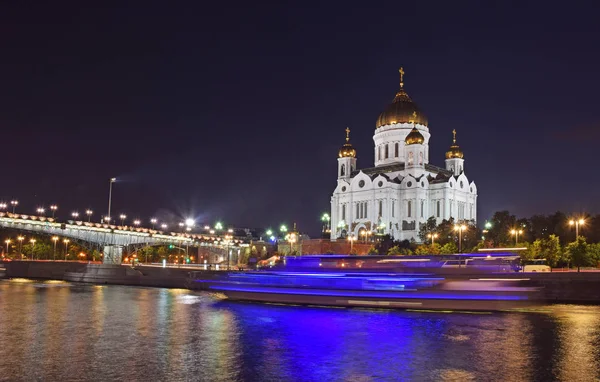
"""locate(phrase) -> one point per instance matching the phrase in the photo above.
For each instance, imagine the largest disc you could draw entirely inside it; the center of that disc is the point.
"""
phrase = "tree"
(428, 228)
(384, 244)
(578, 253)
(397, 251)
(373, 251)
(548, 248)
(502, 223)
(448, 249)
(428, 249)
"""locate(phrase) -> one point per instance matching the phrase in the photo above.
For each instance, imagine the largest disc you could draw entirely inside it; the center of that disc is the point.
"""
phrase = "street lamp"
(326, 219)
(351, 239)
(75, 214)
(283, 228)
(7, 241)
(460, 228)
(41, 211)
(3, 206)
(54, 239)
(136, 223)
(122, 217)
(20, 238)
(89, 214)
(32, 241)
(112, 180)
(164, 226)
(66, 241)
(219, 226)
(14, 204)
(577, 223)
(53, 208)
(432, 236)
(292, 239)
(516, 233)
(153, 221)
(228, 242)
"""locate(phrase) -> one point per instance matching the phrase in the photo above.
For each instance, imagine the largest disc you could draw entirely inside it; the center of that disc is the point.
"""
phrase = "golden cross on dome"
(414, 118)
(454, 136)
(401, 77)
(347, 134)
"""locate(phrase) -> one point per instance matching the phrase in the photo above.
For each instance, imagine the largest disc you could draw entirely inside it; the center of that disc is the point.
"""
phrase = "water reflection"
(60, 331)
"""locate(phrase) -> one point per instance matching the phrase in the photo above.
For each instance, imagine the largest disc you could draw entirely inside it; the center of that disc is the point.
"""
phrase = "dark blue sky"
(236, 111)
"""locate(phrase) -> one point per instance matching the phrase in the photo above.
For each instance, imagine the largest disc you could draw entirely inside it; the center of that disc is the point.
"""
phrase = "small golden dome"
(347, 151)
(401, 110)
(414, 137)
(455, 151)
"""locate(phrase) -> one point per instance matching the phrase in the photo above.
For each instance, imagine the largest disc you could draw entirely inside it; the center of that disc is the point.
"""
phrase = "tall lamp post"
(89, 214)
(432, 236)
(66, 241)
(21, 238)
(54, 239)
(326, 220)
(41, 211)
(351, 239)
(122, 217)
(53, 208)
(292, 239)
(7, 241)
(112, 180)
(75, 215)
(576, 223)
(14, 204)
(460, 228)
(153, 221)
(32, 241)
(516, 233)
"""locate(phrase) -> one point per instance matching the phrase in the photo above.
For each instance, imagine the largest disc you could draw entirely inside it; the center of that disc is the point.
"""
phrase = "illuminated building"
(403, 189)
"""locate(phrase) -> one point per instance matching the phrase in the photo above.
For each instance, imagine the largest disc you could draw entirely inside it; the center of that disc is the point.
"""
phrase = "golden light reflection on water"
(579, 338)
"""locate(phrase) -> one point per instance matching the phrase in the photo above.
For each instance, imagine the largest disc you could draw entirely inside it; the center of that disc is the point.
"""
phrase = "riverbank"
(556, 287)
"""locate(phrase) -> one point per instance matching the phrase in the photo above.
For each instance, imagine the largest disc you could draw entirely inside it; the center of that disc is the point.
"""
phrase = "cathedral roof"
(414, 137)
(402, 109)
(347, 150)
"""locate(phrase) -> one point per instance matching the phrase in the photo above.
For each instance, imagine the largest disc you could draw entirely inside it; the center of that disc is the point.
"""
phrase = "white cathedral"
(403, 189)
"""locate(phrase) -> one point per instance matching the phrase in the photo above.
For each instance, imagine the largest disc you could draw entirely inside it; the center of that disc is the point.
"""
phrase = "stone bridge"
(112, 238)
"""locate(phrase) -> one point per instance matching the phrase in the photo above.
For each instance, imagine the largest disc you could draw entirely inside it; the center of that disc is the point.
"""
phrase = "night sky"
(235, 112)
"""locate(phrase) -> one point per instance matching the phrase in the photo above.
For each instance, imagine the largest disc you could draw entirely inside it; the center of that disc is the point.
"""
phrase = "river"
(57, 331)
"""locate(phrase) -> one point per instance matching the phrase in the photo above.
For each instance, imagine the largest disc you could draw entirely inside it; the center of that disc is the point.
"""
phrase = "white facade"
(403, 190)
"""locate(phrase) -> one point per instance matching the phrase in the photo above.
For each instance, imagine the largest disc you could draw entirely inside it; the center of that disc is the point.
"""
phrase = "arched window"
(437, 209)
(380, 208)
(422, 207)
(409, 209)
(343, 170)
(378, 152)
(387, 151)
(343, 212)
(410, 158)
(357, 210)
(396, 150)
(421, 159)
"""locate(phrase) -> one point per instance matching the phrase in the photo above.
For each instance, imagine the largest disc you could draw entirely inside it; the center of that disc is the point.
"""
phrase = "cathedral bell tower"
(415, 150)
(455, 158)
(346, 158)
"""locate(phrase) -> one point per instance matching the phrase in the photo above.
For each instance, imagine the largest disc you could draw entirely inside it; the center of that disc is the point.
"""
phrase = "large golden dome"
(401, 110)
(455, 151)
(347, 150)
(414, 137)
